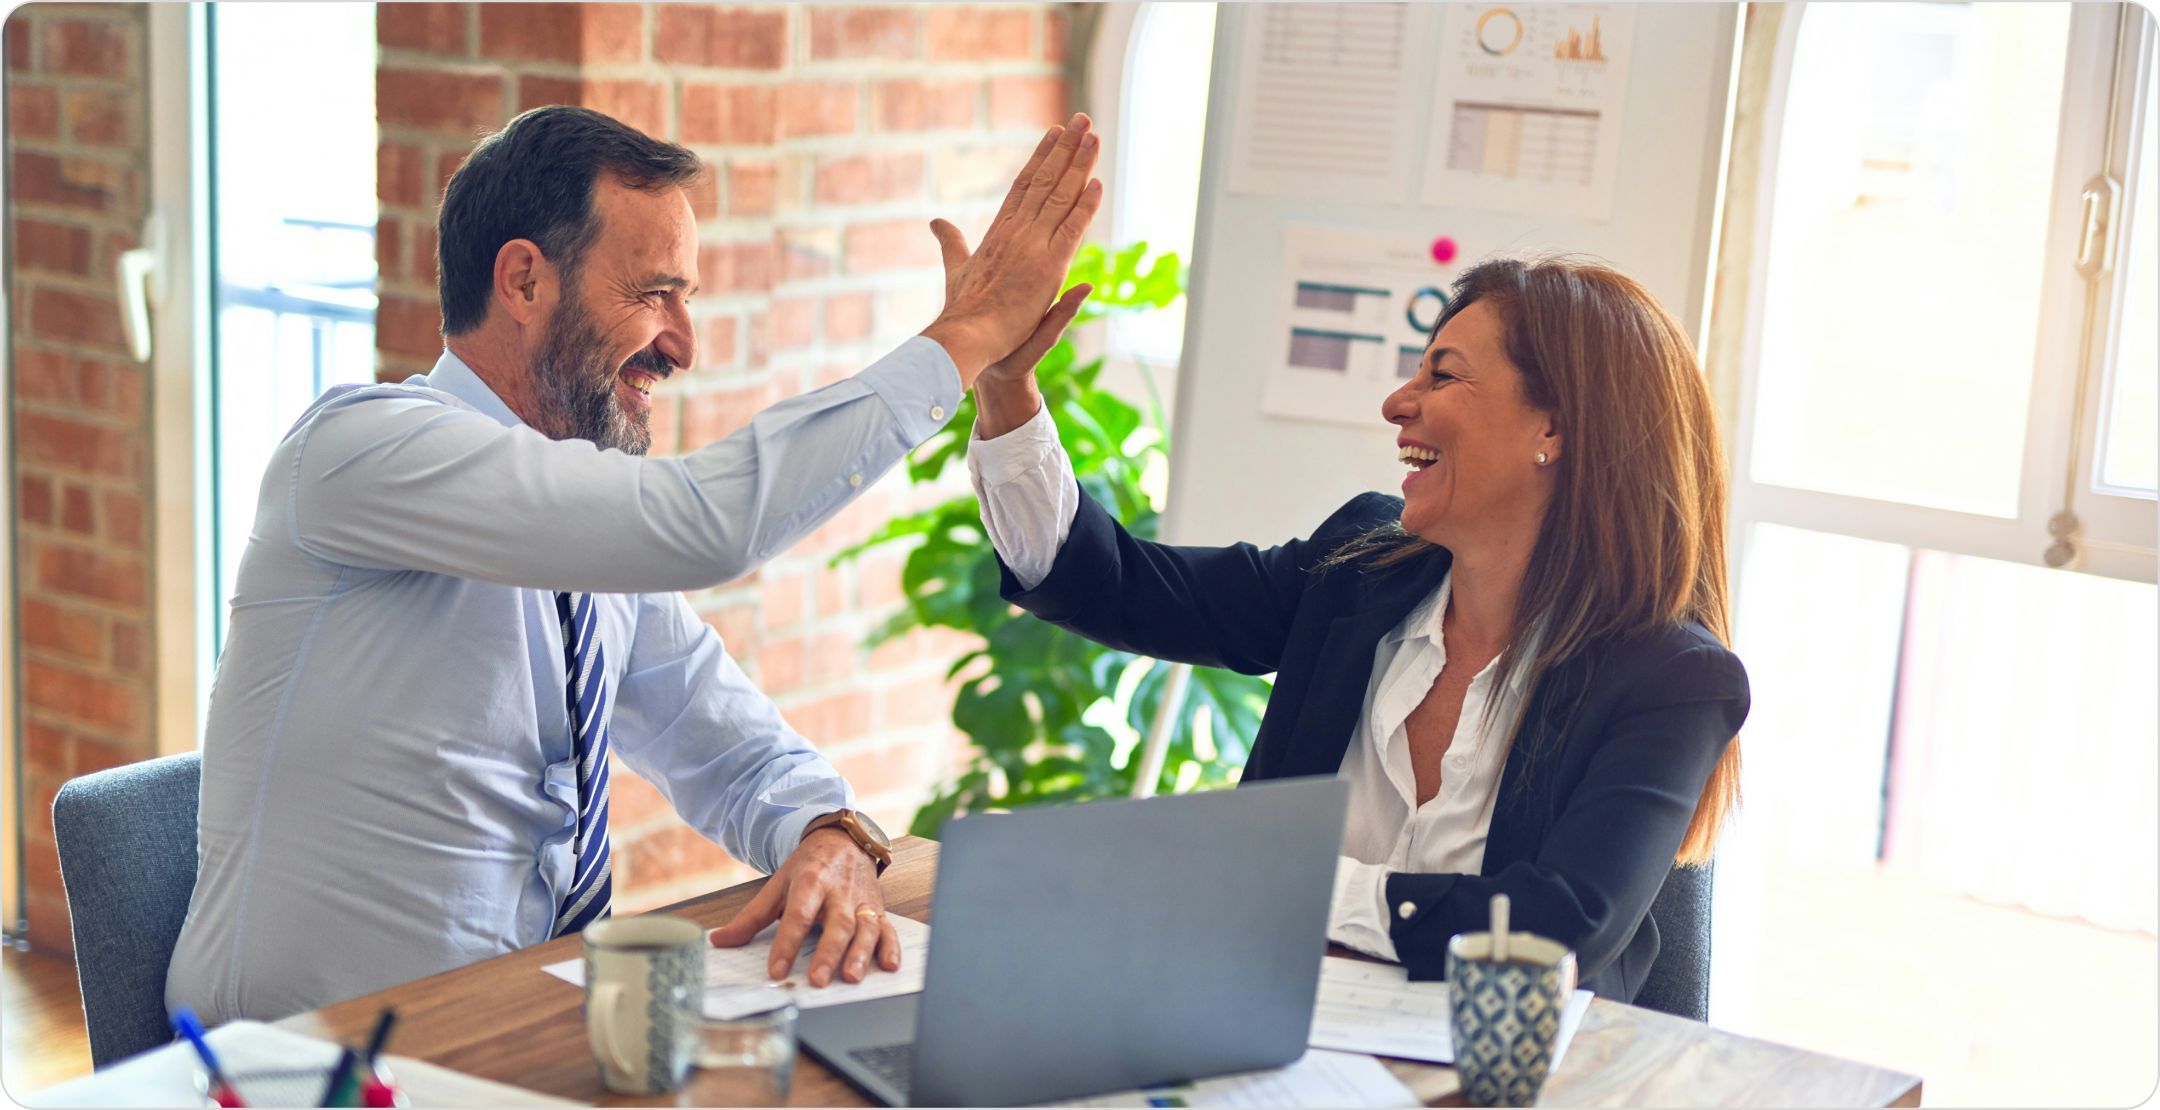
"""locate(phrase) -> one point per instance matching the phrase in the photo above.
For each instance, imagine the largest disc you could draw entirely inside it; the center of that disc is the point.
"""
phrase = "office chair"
(1679, 982)
(127, 857)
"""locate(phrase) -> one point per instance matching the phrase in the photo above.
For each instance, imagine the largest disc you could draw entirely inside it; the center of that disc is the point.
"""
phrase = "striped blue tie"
(586, 695)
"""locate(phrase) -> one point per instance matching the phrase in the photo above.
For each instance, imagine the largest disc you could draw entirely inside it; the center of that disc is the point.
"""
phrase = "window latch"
(2098, 206)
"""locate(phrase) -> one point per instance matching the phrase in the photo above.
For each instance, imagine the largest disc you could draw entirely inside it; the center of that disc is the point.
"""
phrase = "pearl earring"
(1542, 459)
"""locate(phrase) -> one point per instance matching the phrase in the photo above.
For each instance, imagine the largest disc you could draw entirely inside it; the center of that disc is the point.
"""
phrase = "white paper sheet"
(1369, 1007)
(1354, 322)
(1321, 103)
(1317, 1079)
(1527, 111)
(167, 1076)
(736, 982)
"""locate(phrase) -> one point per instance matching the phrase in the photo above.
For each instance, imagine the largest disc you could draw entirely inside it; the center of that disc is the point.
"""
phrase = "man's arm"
(689, 721)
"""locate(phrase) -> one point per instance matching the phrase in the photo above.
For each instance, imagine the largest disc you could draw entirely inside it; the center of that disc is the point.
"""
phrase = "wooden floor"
(41, 1025)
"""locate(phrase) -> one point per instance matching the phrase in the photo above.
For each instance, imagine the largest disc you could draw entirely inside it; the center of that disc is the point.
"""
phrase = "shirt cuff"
(1357, 915)
(1017, 452)
(919, 383)
(788, 834)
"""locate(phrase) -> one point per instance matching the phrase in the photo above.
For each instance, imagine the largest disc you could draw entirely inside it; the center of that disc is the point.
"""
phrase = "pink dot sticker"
(1443, 250)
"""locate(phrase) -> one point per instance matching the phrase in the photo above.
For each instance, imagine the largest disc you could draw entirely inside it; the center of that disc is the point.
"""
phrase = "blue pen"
(185, 1023)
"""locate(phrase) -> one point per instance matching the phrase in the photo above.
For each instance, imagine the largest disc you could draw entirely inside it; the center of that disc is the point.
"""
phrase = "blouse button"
(1407, 910)
(937, 412)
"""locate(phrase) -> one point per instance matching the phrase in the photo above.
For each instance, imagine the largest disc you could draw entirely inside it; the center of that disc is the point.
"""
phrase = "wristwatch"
(862, 830)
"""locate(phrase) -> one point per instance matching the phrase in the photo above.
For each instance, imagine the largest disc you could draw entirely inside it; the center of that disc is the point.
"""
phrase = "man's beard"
(574, 385)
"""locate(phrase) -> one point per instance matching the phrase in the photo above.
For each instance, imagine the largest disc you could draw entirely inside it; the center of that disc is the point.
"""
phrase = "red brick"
(862, 32)
(1026, 101)
(77, 513)
(782, 666)
(717, 350)
(89, 48)
(389, 248)
(916, 704)
(92, 755)
(658, 855)
(832, 596)
(130, 647)
(704, 194)
(885, 767)
(532, 32)
(48, 627)
(397, 168)
(34, 498)
(725, 115)
(753, 188)
(110, 387)
(633, 802)
(77, 572)
(714, 414)
(665, 423)
(79, 183)
(423, 255)
(791, 322)
(126, 523)
(433, 28)
(70, 693)
(848, 317)
(735, 267)
(971, 34)
(445, 166)
(33, 111)
(18, 44)
(44, 376)
(96, 117)
(46, 749)
(889, 245)
(74, 445)
(738, 627)
(910, 104)
(459, 104)
(729, 38)
(409, 326)
(1057, 33)
(817, 108)
(869, 178)
(72, 317)
(51, 247)
(834, 717)
(614, 33)
(783, 597)
(641, 104)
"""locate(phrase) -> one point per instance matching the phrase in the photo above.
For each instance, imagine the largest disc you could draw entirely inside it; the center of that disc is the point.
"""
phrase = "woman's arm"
(1613, 840)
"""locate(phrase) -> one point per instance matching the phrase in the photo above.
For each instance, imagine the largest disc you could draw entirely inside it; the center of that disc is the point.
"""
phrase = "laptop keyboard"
(893, 1063)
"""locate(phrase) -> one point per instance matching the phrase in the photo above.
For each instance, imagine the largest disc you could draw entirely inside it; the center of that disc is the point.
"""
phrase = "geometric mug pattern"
(1506, 1019)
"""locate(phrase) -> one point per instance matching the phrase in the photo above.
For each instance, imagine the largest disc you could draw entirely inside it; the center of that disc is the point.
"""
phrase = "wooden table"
(504, 1019)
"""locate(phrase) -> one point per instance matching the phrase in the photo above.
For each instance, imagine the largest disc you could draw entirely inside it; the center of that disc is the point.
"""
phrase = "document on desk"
(1318, 1078)
(736, 982)
(1369, 1007)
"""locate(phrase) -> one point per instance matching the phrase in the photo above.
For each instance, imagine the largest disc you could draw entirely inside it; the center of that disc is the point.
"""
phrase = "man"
(459, 592)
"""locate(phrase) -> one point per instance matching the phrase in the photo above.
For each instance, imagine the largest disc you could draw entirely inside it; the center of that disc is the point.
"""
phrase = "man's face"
(623, 324)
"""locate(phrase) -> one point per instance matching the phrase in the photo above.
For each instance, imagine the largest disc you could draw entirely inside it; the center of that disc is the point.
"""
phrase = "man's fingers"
(1072, 185)
(796, 921)
(839, 930)
(856, 963)
(1050, 327)
(951, 244)
(1069, 233)
(1026, 175)
(747, 922)
(888, 947)
(1053, 167)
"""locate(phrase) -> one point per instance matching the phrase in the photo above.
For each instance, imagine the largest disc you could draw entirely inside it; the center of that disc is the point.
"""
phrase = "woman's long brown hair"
(1634, 538)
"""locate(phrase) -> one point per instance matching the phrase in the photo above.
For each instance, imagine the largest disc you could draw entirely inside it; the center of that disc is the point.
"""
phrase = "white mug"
(642, 980)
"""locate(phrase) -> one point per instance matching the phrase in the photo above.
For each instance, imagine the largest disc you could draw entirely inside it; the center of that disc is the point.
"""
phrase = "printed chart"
(1358, 309)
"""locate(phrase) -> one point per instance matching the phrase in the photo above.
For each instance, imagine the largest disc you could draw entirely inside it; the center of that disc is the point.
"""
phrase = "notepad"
(737, 983)
(1369, 1007)
(1318, 1078)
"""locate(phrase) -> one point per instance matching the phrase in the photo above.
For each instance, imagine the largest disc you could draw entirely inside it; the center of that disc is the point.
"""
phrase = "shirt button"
(855, 480)
(1407, 910)
(937, 412)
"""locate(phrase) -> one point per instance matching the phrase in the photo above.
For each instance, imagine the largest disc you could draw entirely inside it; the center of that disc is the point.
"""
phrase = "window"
(1949, 395)
(1161, 118)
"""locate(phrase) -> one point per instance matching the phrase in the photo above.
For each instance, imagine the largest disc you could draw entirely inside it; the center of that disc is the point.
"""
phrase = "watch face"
(863, 819)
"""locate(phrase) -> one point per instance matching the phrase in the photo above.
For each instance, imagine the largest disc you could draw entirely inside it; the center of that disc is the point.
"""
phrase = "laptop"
(1101, 947)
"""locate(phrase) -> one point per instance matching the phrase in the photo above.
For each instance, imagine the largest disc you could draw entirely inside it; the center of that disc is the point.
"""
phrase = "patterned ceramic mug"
(642, 980)
(1505, 1014)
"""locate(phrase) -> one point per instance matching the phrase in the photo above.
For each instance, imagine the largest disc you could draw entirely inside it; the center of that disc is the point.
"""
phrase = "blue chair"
(1679, 982)
(127, 857)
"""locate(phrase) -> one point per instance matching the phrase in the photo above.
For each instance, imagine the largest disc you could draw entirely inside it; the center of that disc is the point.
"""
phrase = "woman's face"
(1470, 439)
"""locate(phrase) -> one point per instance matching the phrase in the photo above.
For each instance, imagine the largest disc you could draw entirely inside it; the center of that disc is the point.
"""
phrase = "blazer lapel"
(1343, 671)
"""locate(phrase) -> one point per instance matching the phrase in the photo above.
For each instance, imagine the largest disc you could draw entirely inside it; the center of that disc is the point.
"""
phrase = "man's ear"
(525, 284)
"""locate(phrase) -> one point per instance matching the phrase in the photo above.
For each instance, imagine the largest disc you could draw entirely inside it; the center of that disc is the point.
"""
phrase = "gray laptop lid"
(1122, 944)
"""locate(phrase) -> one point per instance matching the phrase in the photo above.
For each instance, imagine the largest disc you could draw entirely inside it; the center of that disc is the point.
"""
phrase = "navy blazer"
(1599, 786)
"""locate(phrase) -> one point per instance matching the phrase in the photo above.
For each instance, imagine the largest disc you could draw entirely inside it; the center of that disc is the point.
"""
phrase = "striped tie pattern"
(586, 695)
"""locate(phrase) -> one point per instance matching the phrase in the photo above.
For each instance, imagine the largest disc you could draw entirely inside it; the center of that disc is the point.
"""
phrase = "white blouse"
(1029, 499)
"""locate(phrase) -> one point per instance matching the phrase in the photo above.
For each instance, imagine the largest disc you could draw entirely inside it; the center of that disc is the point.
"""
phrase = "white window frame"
(2109, 542)
(184, 595)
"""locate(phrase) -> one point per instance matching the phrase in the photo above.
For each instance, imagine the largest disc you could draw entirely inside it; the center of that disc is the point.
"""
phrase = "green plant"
(1052, 717)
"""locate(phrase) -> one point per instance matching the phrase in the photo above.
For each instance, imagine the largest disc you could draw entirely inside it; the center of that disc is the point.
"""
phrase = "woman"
(1520, 664)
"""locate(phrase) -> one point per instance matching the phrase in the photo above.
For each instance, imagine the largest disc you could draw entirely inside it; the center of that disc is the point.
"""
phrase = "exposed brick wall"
(834, 133)
(77, 147)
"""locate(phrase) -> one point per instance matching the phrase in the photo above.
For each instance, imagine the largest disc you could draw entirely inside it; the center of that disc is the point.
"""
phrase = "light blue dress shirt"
(387, 786)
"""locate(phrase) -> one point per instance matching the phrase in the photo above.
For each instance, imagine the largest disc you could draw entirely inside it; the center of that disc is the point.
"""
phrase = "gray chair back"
(127, 857)
(1679, 982)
